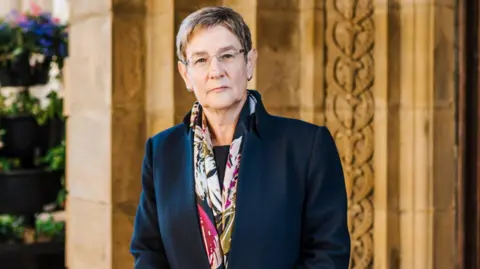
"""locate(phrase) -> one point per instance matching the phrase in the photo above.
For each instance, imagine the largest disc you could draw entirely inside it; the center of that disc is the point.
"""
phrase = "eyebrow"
(227, 48)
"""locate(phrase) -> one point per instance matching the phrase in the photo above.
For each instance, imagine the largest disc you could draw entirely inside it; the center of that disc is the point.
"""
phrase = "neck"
(222, 123)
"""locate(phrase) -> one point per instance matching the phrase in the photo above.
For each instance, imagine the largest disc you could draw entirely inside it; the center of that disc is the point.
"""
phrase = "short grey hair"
(209, 17)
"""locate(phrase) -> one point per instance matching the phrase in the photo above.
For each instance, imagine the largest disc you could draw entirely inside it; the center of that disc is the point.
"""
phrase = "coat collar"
(259, 119)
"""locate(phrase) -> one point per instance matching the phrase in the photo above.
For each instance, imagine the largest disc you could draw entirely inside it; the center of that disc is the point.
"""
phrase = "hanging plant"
(49, 230)
(55, 161)
(6, 164)
(55, 158)
(11, 229)
(29, 43)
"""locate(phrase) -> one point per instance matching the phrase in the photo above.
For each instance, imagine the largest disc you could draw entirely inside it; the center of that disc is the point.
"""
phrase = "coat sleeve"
(326, 239)
(147, 246)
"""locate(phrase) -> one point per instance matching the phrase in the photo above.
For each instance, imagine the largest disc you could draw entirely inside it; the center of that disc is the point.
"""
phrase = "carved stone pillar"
(316, 64)
(349, 110)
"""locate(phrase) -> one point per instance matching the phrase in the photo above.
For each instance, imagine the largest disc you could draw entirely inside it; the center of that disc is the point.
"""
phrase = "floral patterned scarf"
(216, 205)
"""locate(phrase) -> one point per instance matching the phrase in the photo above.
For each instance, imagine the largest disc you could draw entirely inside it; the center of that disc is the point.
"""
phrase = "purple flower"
(42, 31)
(25, 25)
(62, 50)
(44, 42)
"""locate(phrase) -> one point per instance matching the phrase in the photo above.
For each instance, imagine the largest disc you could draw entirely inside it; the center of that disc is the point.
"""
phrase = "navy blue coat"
(291, 201)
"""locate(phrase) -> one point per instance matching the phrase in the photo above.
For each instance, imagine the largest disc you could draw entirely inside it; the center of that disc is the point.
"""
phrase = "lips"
(221, 88)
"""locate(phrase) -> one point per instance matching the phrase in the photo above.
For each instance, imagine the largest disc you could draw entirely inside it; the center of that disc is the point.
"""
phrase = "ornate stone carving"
(349, 111)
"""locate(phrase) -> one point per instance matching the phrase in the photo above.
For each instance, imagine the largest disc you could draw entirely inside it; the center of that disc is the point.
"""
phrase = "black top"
(221, 155)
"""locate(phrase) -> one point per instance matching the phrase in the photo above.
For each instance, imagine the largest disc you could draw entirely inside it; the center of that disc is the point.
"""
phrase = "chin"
(220, 105)
(222, 102)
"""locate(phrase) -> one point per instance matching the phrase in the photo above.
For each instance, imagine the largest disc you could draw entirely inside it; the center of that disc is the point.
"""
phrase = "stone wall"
(379, 74)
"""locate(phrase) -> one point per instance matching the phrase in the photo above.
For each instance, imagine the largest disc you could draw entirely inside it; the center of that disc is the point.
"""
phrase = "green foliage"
(50, 228)
(62, 195)
(9, 40)
(52, 111)
(27, 104)
(11, 229)
(55, 161)
(55, 158)
(23, 103)
(7, 164)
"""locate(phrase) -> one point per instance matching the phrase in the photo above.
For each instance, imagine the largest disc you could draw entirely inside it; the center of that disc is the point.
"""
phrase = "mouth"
(218, 89)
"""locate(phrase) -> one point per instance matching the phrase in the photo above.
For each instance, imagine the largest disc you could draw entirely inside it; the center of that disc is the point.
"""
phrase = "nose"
(215, 69)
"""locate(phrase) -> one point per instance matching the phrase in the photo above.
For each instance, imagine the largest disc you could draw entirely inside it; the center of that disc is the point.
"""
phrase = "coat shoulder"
(170, 136)
(295, 127)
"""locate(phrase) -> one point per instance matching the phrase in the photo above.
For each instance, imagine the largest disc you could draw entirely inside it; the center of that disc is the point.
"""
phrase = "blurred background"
(85, 82)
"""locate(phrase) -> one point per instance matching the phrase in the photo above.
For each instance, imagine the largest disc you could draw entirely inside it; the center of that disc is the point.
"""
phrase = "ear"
(182, 69)
(251, 61)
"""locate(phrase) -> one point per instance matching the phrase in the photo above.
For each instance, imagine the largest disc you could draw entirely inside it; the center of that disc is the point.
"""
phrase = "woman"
(232, 186)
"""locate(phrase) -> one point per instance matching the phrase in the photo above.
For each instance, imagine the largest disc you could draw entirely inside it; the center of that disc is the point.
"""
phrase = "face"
(216, 70)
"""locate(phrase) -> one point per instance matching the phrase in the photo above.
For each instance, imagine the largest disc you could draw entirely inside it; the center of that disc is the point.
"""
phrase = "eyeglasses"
(201, 63)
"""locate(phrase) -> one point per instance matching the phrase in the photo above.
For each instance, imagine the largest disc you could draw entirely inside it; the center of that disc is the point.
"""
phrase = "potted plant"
(49, 230)
(27, 191)
(33, 46)
(29, 43)
(30, 129)
(11, 229)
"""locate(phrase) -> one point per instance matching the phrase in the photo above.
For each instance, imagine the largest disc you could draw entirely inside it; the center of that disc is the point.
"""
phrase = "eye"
(200, 60)
(227, 56)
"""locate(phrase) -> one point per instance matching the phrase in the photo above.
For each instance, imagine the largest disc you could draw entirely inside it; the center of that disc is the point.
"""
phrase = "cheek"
(239, 74)
(198, 82)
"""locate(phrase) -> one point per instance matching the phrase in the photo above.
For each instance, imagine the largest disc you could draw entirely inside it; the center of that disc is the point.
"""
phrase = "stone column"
(415, 135)
(61, 9)
(46, 5)
(161, 66)
(106, 130)
(8, 5)
(387, 136)
(278, 43)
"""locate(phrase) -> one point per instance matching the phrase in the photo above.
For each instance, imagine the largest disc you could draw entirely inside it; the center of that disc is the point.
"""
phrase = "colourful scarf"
(216, 206)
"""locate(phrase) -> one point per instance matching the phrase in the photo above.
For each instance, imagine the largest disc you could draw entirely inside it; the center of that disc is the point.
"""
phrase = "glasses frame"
(237, 52)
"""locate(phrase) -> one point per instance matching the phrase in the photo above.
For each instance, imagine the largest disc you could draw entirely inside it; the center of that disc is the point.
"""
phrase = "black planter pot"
(18, 72)
(25, 139)
(21, 139)
(33, 256)
(52, 134)
(40, 72)
(26, 192)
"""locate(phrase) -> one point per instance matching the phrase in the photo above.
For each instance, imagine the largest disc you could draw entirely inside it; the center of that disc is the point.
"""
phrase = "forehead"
(211, 39)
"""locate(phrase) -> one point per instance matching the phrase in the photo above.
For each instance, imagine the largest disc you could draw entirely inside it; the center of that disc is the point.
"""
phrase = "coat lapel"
(189, 237)
(248, 194)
